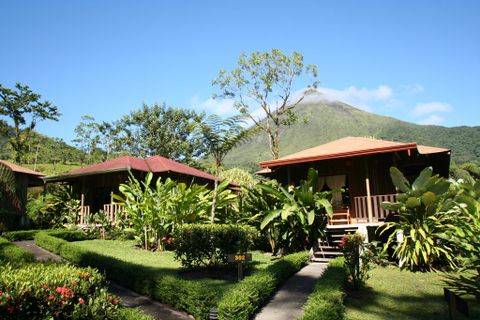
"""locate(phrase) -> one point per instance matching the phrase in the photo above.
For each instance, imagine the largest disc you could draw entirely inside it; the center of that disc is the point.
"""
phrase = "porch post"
(369, 201)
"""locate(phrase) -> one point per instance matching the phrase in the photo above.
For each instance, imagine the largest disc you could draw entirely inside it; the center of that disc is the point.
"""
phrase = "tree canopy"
(23, 107)
(265, 81)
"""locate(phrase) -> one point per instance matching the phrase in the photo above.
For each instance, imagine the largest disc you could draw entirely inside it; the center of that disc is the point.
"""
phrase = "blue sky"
(418, 61)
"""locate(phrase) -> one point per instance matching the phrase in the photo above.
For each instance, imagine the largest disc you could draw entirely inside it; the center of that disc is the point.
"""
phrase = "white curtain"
(335, 183)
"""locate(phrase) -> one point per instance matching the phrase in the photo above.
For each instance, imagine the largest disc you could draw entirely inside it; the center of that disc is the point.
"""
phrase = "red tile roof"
(153, 164)
(16, 168)
(349, 147)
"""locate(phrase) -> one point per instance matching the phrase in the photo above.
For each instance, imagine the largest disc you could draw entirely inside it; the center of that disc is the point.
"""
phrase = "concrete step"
(327, 253)
(320, 260)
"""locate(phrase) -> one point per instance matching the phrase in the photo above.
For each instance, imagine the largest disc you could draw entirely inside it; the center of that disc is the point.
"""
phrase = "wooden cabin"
(24, 179)
(360, 166)
(96, 183)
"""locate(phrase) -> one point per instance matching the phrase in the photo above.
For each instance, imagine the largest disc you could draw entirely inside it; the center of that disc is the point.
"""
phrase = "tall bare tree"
(266, 80)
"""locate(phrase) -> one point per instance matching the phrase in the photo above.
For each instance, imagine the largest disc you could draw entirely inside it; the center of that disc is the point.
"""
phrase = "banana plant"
(301, 213)
(421, 208)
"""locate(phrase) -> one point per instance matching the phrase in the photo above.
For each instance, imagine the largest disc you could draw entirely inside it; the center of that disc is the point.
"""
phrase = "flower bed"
(38, 291)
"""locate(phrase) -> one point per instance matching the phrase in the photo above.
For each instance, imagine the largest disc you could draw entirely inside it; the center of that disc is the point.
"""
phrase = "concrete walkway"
(287, 303)
(129, 298)
(39, 253)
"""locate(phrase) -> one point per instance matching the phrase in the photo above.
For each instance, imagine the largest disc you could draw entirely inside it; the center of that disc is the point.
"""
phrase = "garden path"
(289, 299)
(129, 298)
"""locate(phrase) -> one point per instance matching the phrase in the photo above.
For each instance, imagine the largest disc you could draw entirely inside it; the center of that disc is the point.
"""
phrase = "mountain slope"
(327, 121)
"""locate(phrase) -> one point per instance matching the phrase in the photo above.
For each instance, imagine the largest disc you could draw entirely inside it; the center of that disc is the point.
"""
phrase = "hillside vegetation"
(327, 121)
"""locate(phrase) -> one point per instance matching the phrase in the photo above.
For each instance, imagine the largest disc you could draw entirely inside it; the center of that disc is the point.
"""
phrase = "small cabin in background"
(96, 183)
(360, 166)
(15, 214)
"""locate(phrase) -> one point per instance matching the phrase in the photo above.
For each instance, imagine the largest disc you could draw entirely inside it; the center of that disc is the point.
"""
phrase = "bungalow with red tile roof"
(360, 166)
(25, 178)
(95, 183)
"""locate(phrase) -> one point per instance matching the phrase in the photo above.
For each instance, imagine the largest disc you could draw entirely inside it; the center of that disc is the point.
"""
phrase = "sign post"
(240, 258)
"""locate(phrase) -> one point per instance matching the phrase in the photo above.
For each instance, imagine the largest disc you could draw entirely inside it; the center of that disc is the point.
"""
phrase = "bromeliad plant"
(422, 211)
(300, 214)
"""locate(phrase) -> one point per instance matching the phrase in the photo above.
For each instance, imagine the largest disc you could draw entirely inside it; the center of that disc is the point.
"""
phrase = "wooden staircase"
(328, 247)
(340, 216)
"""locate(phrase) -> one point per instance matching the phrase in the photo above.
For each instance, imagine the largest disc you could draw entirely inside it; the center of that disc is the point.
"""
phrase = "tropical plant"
(143, 207)
(468, 172)
(422, 209)
(300, 214)
(256, 203)
(155, 210)
(220, 135)
(464, 236)
(57, 207)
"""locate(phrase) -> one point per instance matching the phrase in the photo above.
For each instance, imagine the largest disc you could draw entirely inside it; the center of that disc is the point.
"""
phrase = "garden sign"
(240, 258)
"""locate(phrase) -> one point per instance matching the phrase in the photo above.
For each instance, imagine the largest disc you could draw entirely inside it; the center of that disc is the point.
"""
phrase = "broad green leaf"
(310, 217)
(399, 180)
(272, 215)
(422, 179)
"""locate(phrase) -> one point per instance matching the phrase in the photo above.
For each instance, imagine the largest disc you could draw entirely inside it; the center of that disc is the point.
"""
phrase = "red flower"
(115, 301)
(81, 301)
(51, 297)
(1, 293)
(45, 286)
(164, 238)
(110, 298)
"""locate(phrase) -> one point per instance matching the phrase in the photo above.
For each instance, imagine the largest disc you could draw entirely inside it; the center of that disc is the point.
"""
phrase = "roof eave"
(276, 163)
(65, 176)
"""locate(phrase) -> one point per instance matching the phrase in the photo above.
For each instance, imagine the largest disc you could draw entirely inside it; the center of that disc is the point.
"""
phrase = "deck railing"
(112, 210)
(378, 213)
(83, 215)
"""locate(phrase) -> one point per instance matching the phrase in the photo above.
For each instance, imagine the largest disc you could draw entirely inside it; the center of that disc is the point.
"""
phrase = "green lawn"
(394, 294)
(163, 263)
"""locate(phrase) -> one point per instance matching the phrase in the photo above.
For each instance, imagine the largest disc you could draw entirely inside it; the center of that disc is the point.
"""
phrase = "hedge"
(242, 301)
(192, 296)
(12, 253)
(69, 235)
(326, 301)
(198, 245)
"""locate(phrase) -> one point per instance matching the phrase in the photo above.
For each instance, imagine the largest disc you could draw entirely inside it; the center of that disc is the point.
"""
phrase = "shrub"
(40, 291)
(242, 301)
(209, 244)
(326, 300)
(12, 253)
(357, 258)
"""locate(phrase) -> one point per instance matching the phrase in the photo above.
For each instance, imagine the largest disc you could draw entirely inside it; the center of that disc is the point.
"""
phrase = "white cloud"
(222, 107)
(432, 120)
(412, 88)
(357, 97)
(422, 109)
